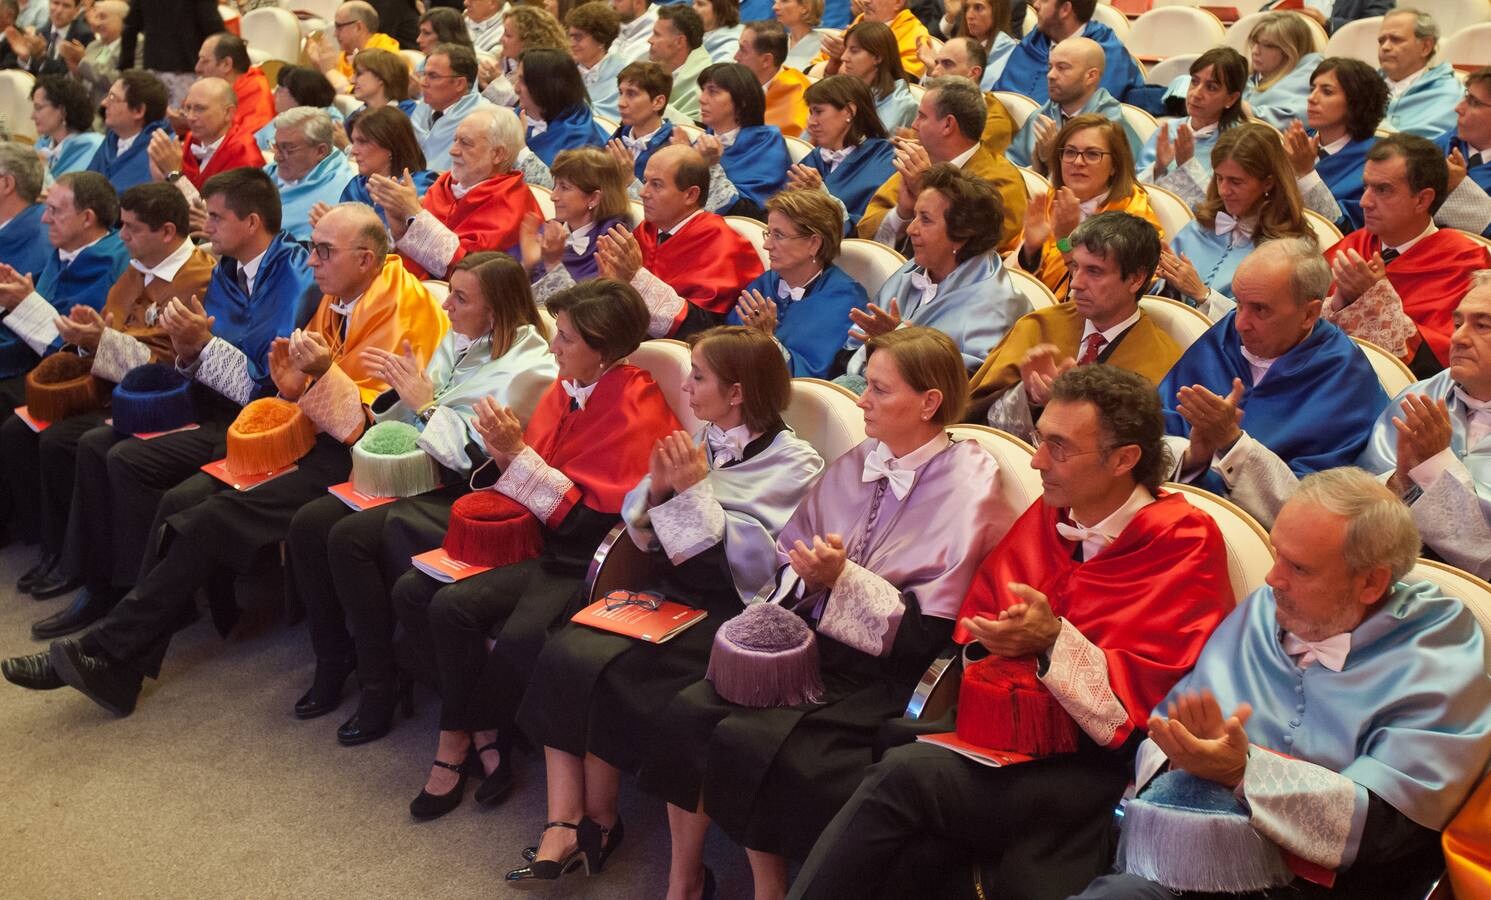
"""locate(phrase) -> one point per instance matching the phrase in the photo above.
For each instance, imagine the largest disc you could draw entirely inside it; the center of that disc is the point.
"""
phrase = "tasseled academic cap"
(150, 398)
(766, 656)
(1002, 705)
(60, 386)
(388, 462)
(491, 529)
(269, 434)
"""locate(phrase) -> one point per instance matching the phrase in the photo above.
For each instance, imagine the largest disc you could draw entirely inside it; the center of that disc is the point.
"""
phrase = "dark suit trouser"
(12, 394)
(1046, 826)
(39, 475)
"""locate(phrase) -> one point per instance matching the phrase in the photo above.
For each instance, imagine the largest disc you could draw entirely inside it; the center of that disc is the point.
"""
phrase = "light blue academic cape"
(323, 184)
(1022, 148)
(1427, 108)
(801, 56)
(897, 108)
(975, 305)
(1144, 159)
(435, 137)
(999, 55)
(75, 153)
(1216, 257)
(600, 84)
(1284, 100)
(265, 135)
(722, 43)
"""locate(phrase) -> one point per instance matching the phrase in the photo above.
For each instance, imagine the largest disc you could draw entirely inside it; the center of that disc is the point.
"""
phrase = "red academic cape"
(487, 218)
(237, 150)
(1148, 601)
(705, 261)
(1430, 278)
(255, 100)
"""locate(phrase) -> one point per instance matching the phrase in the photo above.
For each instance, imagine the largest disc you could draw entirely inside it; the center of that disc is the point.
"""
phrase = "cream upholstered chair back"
(667, 361)
(1394, 375)
(868, 262)
(545, 200)
(15, 103)
(1249, 553)
(1032, 287)
(1356, 40)
(1165, 30)
(797, 148)
(1173, 212)
(826, 416)
(751, 230)
(1019, 107)
(1184, 324)
(274, 30)
(438, 289)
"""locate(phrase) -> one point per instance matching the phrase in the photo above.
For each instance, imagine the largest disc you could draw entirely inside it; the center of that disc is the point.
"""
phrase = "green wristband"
(1064, 245)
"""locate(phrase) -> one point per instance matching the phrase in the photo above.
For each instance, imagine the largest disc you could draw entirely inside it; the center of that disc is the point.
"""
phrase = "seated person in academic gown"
(709, 512)
(677, 44)
(1281, 49)
(722, 28)
(356, 28)
(448, 95)
(763, 48)
(688, 264)
(478, 205)
(556, 112)
(134, 109)
(62, 113)
(496, 349)
(1091, 172)
(1467, 148)
(954, 281)
(803, 300)
(1422, 96)
(225, 56)
(24, 244)
(108, 491)
(213, 144)
(308, 169)
(1349, 103)
(965, 57)
(1053, 618)
(1074, 88)
(1430, 443)
(642, 98)
(383, 143)
(592, 34)
(852, 156)
(1178, 155)
(1116, 254)
(1025, 73)
(747, 159)
(589, 200)
(1343, 711)
(875, 560)
(949, 125)
(164, 265)
(381, 78)
(304, 87)
(321, 369)
(870, 56)
(1304, 393)
(903, 24)
(1398, 279)
(562, 480)
(986, 25)
(1261, 203)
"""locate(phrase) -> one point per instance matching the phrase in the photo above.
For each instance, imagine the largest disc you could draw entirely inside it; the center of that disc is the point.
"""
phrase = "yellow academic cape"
(908, 29)
(1052, 270)
(784, 104)
(1467, 846)
(996, 170)
(999, 129)
(1145, 349)
(378, 41)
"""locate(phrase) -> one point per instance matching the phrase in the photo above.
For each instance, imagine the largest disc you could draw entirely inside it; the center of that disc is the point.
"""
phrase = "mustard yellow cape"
(1467, 846)
(785, 107)
(996, 170)
(378, 41)
(908, 29)
(999, 129)
(1052, 270)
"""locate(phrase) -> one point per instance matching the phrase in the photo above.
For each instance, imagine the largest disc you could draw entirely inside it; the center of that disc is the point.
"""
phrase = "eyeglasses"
(1091, 155)
(622, 599)
(431, 76)
(286, 149)
(324, 250)
(777, 236)
(1475, 102)
(338, 26)
(1058, 451)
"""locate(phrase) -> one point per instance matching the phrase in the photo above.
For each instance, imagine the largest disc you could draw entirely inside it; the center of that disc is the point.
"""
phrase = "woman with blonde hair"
(1092, 171)
(802, 19)
(590, 199)
(872, 55)
(1252, 198)
(1281, 50)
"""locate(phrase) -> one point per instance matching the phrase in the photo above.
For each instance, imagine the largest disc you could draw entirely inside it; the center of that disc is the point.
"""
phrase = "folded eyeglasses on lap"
(646, 599)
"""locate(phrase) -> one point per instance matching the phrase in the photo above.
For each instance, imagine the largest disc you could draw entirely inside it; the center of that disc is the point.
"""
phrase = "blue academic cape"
(1427, 108)
(285, 295)
(436, 135)
(24, 245)
(812, 329)
(1022, 147)
(757, 162)
(858, 177)
(356, 190)
(1314, 409)
(583, 266)
(575, 127)
(658, 141)
(836, 14)
(756, 10)
(1216, 257)
(133, 167)
(1284, 100)
(1025, 72)
(76, 153)
(1144, 160)
(1342, 173)
(1480, 174)
(322, 184)
(897, 108)
(86, 281)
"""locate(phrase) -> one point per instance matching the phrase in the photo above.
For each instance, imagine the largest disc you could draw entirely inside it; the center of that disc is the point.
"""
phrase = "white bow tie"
(878, 467)
(1226, 224)
(535, 126)
(832, 158)
(579, 243)
(200, 151)
(1330, 652)
(1078, 534)
(922, 282)
(343, 309)
(789, 293)
(635, 145)
(578, 394)
(724, 446)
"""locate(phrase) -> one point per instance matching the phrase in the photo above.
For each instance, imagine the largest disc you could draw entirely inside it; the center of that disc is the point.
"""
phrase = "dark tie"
(243, 281)
(435, 117)
(662, 238)
(1320, 152)
(1389, 255)
(1091, 348)
(1474, 160)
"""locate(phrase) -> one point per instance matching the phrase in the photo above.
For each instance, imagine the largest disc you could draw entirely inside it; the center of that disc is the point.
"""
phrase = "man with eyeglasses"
(208, 528)
(1075, 86)
(134, 109)
(308, 168)
(448, 83)
(1113, 256)
(226, 56)
(1467, 149)
(212, 144)
(355, 27)
(1305, 392)
(1098, 599)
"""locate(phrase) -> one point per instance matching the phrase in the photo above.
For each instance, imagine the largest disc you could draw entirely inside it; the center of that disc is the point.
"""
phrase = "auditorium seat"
(869, 263)
(273, 30)
(1115, 20)
(1032, 287)
(1035, 183)
(825, 415)
(751, 230)
(1173, 212)
(1466, 48)
(545, 200)
(438, 289)
(1391, 372)
(1249, 553)
(1162, 32)
(668, 362)
(1183, 323)
(797, 148)
(15, 103)
(1019, 107)
(1356, 40)
(1142, 122)
(1325, 231)
(1166, 71)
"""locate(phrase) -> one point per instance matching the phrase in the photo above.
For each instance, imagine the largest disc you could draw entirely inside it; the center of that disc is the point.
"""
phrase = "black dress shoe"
(375, 712)
(98, 678)
(496, 786)
(54, 584)
(85, 609)
(325, 694)
(34, 672)
(432, 806)
(44, 565)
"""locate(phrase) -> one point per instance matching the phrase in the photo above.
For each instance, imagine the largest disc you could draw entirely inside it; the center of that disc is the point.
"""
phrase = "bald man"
(355, 27)
(226, 56)
(213, 142)
(1074, 82)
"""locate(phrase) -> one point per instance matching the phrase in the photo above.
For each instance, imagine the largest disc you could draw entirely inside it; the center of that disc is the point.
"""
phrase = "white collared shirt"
(1091, 206)
(1396, 89)
(726, 445)
(1108, 530)
(916, 458)
(486, 35)
(345, 308)
(679, 227)
(1337, 145)
(1204, 130)
(250, 269)
(124, 143)
(1109, 334)
(1257, 364)
(962, 159)
(167, 268)
(727, 140)
(67, 256)
(1408, 245)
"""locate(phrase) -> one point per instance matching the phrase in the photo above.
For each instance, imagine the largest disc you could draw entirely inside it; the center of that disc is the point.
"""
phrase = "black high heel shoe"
(496, 786)
(432, 806)
(375, 712)
(325, 694)
(551, 869)
(611, 838)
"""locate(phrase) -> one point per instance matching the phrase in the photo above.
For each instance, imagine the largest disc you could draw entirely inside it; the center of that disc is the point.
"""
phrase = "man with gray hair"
(478, 205)
(1075, 84)
(308, 168)
(1430, 444)
(1308, 393)
(23, 238)
(1421, 98)
(1341, 714)
(949, 124)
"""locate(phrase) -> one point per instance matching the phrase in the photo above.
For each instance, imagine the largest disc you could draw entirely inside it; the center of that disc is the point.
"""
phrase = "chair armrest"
(937, 691)
(618, 564)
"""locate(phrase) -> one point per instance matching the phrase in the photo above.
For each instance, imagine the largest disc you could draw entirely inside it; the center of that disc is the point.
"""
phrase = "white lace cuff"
(444, 439)
(224, 368)
(188, 190)
(428, 242)
(664, 305)
(1307, 809)
(1467, 208)
(334, 403)
(1011, 413)
(1453, 520)
(863, 611)
(891, 228)
(1376, 316)
(1315, 194)
(553, 281)
(1189, 181)
(539, 487)
(533, 169)
(34, 321)
(722, 191)
(1427, 472)
(1257, 479)
(689, 523)
(1078, 678)
(118, 353)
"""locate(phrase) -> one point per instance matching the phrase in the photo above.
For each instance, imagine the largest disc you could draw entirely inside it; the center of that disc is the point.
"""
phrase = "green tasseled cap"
(390, 439)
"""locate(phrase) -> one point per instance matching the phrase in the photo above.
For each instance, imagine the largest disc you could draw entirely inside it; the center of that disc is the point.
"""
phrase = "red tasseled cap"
(1002, 705)
(491, 529)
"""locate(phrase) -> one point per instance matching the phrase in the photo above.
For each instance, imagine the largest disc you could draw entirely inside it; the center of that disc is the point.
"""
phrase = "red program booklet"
(438, 565)
(33, 423)
(655, 626)
(995, 758)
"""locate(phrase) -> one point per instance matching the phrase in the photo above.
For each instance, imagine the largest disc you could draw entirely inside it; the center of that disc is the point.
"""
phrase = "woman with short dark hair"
(1348, 100)
(589, 198)
(1178, 155)
(872, 55)
(748, 158)
(383, 143)
(722, 27)
(299, 86)
(852, 155)
(62, 111)
(554, 105)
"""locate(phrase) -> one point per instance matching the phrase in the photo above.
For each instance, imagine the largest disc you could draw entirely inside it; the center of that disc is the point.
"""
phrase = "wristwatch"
(173, 177)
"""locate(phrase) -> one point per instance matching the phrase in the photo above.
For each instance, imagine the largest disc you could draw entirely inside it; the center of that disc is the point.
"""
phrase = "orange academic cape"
(705, 261)
(486, 218)
(1052, 270)
(255, 100)
(784, 104)
(1467, 846)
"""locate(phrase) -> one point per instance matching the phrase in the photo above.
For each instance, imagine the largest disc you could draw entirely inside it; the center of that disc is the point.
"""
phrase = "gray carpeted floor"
(213, 789)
